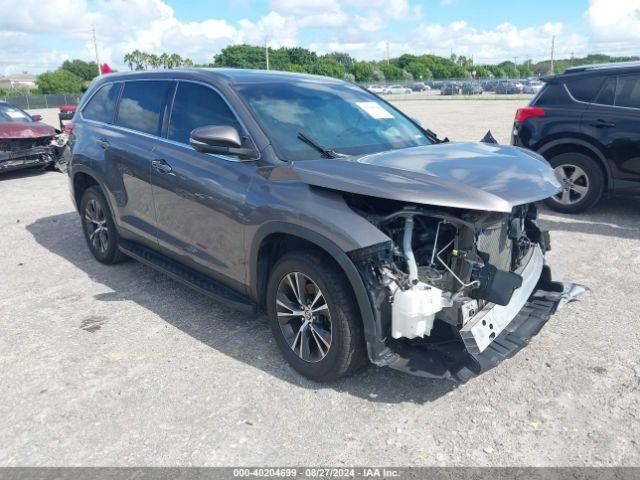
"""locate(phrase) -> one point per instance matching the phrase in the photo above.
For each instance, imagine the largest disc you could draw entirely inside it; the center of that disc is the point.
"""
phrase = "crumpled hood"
(475, 176)
(25, 130)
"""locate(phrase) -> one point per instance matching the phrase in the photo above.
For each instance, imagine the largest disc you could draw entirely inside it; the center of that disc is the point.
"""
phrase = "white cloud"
(614, 25)
(359, 27)
(491, 45)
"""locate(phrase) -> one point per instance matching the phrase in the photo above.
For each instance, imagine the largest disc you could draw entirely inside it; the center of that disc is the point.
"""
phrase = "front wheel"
(581, 180)
(314, 317)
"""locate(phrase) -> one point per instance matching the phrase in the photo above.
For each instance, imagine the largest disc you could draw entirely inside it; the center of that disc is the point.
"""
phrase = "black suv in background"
(586, 123)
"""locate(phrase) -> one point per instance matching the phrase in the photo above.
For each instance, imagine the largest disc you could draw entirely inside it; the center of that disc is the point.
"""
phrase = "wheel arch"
(569, 145)
(83, 177)
(277, 234)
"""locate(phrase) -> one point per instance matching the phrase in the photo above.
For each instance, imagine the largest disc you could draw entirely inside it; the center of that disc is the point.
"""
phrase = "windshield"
(9, 114)
(341, 118)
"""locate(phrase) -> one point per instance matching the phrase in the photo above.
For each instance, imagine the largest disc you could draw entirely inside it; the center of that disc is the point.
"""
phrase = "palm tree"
(154, 61)
(175, 60)
(164, 60)
(128, 58)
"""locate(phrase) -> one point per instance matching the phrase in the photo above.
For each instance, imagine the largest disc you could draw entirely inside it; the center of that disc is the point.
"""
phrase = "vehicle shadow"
(243, 337)
(615, 217)
(24, 173)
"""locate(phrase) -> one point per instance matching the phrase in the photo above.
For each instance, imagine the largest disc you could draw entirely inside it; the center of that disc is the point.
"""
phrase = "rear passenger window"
(196, 106)
(584, 89)
(608, 93)
(628, 91)
(102, 105)
(553, 94)
(142, 106)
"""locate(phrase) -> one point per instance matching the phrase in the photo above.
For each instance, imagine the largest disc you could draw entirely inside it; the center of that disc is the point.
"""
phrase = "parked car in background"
(451, 88)
(358, 232)
(533, 86)
(470, 88)
(489, 85)
(507, 87)
(27, 142)
(377, 89)
(419, 87)
(397, 89)
(65, 114)
(586, 123)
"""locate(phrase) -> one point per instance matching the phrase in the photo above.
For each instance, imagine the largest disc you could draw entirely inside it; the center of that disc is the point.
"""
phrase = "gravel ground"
(123, 366)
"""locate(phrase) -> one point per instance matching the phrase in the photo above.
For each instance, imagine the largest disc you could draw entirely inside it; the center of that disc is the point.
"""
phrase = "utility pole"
(553, 46)
(95, 46)
(387, 52)
(266, 52)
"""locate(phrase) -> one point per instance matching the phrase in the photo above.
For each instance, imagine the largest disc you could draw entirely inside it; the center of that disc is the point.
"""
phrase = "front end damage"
(455, 291)
(18, 153)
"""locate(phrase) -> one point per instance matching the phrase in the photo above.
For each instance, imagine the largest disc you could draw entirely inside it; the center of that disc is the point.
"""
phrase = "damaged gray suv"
(360, 234)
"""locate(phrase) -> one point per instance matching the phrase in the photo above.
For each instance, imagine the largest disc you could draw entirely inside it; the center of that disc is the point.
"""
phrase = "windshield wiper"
(327, 152)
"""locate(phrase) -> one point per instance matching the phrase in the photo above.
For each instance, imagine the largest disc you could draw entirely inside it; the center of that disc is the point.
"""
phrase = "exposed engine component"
(448, 264)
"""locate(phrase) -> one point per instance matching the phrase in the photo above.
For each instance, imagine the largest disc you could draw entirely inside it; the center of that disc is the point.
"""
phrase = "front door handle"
(602, 124)
(161, 166)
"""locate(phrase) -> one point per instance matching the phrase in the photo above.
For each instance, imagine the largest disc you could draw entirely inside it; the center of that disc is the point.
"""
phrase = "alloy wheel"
(96, 223)
(574, 182)
(304, 317)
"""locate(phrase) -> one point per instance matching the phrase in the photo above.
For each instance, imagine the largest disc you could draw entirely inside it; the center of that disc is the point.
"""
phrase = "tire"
(339, 325)
(582, 180)
(100, 233)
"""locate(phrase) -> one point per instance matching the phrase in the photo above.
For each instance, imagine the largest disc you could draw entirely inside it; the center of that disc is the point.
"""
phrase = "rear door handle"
(602, 124)
(103, 143)
(161, 166)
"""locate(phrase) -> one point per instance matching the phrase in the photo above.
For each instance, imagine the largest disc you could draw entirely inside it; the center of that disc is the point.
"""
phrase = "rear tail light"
(528, 112)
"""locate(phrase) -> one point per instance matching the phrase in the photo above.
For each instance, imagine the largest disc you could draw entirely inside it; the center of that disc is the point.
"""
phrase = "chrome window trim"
(166, 140)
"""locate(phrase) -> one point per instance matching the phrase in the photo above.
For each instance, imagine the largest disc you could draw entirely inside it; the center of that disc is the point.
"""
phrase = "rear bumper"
(455, 360)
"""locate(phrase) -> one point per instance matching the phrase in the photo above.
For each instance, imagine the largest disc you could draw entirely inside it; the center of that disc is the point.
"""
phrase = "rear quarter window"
(552, 94)
(102, 105)
(584, 89)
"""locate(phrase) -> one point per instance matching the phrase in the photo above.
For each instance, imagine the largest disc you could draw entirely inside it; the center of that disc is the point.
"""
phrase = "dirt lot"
(123, 366)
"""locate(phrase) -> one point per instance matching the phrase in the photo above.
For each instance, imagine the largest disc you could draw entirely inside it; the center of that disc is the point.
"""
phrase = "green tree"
(344, 59)
(362, 71)
(241, 56)
(84, 70)
(58, 81)
(328, 69)
(391, 72)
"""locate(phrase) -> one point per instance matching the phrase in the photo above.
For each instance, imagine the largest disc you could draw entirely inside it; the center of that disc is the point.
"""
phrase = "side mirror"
(220, 139)
(36, 118)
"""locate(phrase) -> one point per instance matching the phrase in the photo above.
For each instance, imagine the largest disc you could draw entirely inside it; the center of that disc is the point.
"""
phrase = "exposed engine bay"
(17, 153)
(450, 274)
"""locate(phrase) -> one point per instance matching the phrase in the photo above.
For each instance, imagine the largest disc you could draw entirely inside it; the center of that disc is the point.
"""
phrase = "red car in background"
(26, 142)
(66, 114)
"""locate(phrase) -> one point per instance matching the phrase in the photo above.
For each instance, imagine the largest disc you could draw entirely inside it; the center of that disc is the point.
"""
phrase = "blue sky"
(37, 35)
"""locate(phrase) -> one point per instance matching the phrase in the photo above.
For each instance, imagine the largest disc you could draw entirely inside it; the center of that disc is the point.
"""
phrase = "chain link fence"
(28, 101)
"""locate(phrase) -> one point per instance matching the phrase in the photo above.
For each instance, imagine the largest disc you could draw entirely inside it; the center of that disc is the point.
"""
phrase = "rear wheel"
(98, 227)
(314, 317)
(581, 180)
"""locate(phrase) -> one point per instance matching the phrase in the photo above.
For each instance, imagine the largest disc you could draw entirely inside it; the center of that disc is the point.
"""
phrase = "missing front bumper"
(452, 359)
(489, 322)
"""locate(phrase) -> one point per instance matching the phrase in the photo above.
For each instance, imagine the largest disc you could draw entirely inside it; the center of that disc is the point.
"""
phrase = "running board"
(189, 277)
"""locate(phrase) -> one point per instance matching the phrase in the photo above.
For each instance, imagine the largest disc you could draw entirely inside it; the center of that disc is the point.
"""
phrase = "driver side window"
(196, 106)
